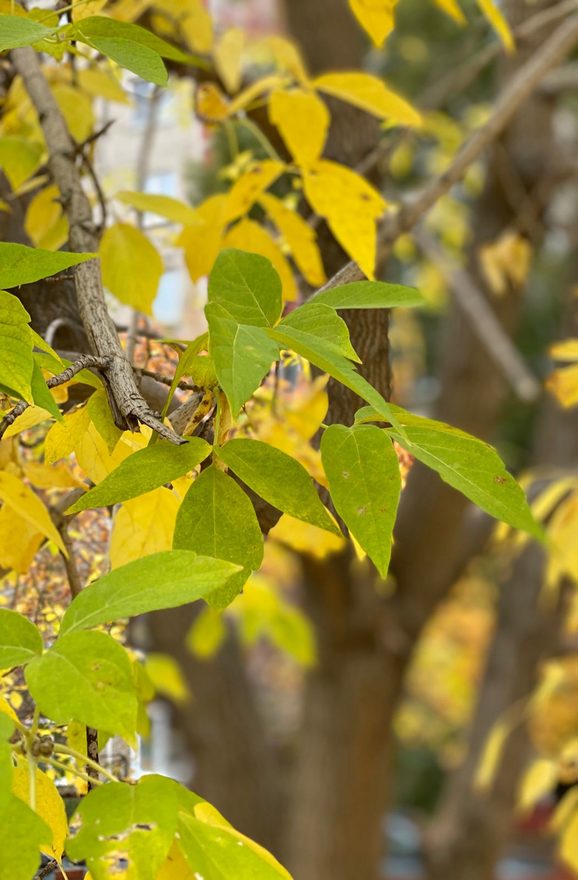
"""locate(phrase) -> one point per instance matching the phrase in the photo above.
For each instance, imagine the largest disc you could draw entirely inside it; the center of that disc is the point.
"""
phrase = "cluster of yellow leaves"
(506, 262)
(377, 17)
(563, 382)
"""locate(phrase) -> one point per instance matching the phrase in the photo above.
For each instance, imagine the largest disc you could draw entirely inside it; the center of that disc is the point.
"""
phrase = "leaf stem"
(84, 759)
(68, 768)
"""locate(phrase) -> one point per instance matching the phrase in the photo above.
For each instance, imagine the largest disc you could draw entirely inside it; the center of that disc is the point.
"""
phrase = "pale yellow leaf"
(227, 56)
(76, 107)
(50, 476)
(19, 158)
(102, 84)
(283, 53)
(452, 8)
(176, 866)
(49, 806)
(19, 541)
(375, 16)
(305, 538)
(563, 384)
(249, 236)
(6, 709)
(165, 206)
(498, 22)
(84, 8)
(568, 850)
(370, 94)
(303, 121)
(299, 237)
(131, 266)
(350, 205)
(77, 433)
(492, 754)
(211, 105)
(167, 677)
(32, 416)
(143, 526)
(202, 241)
(256, 90)
(506, 262)
(565, 350)
(21, 499)
(539, 779)
(45, 223)
(249, 186)
(189, 20)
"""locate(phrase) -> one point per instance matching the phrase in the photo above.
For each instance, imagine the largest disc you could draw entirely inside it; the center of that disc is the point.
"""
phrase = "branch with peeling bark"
(127, 404)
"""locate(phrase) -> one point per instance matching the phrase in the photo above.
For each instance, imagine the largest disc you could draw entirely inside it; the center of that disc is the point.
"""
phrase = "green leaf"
(279, 479)
(162, 580)
(364, 480)
(16, 31)
(247, 287)
(144, 471)
(318, 352)
(6, 766)
(218, 852)
(141, 60)
(369, 295)
(24, 265)
(16, 360)
(322, 322)
(471, 466)
(20, 640)
(86, 677)
(101, 26)
(41, 393)
(217, 518)
(126, 830)
(242, 355)
(22, 832)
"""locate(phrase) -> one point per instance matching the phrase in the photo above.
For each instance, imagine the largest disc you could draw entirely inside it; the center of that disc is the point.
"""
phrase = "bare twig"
(46, 869)
(482, 319)
(166, 380)
(518, 90)
(127, 404)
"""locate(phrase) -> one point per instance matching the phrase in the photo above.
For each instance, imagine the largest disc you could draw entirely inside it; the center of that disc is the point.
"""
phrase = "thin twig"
(166, 380)
(46, 869)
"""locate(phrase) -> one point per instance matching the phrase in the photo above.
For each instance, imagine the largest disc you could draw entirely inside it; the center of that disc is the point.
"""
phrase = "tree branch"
(128, 406)
(518, 90)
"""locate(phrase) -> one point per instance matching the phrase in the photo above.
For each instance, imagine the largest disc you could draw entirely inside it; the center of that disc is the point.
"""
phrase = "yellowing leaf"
(76, 107)
(506, 262)
(211, 105)
(131, 266)
(305, 538)
(563, 384)
(249, 186)
(6, 709)
(303, 120)
(49, 806)
(32, 416)
(298, 236)
(566, 350)
(77, 433)
(21, 499)
(284, 54)
(19, 159)
(370, 94)
(350, 205)
(189, 20)
(83, 8)
(540, 779)
(19, 541)
(249, 236)
(102, 84)
(166, 676)
(202, 241)
(143, 526)
(452, 8)
(176, 867)
(255, 90)
(45, 223)
(375, 17)
(498, 22)
(165, 206)
(227, 55)
(50, 476)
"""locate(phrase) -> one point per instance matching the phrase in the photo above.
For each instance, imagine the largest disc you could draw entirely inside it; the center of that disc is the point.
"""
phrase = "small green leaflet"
(217, 517)
(86, 677)
(471, 466)
(279, 479)
(100, 26)
(144, 471)
(16, 360)
(16, 31)
(218, 852)
(369, 295)
(20, 640)
(364, 480)
(247, 287)
(162, 580)
(324, 323)
(126, 829)
(242, 355)
(141, 60)
(20, 264)
(318, 352)
(22, 833)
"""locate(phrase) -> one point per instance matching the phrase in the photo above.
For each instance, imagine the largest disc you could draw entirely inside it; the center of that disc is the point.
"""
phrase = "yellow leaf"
(19, 541)
(45, 223)
(202, 241)
(165, 206)
(49, 806)
(143, 526)
(249, 186)
(350, 205)
(303, 120)
(21, 499)
(249, 236)
(102, 84)
(187, 19)
(539, 780)
(254, 91)
(206, 634)
(131, 266)
(76, 107)
(506, 262)
(283, 53)
(492, 754)
(176, 866)
(566, 350)
(498, 22)
(370, 94)
(452, 8)
(227, 55)
(32, 416)
(77, 433)
(50, 476)
(375, 17)
(563, 384)
(569, 841)
(305, 538)
(84, 8)
(6, 709)
(211, 105)
(167, 677)
(298, 236)
(19, 159)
